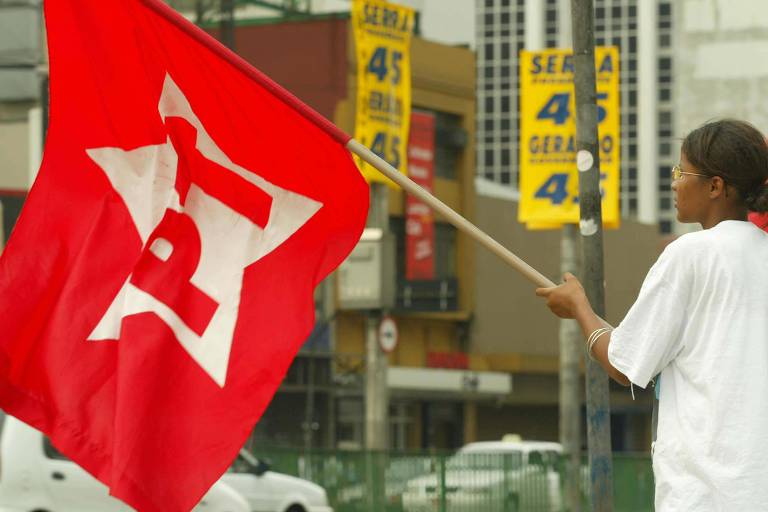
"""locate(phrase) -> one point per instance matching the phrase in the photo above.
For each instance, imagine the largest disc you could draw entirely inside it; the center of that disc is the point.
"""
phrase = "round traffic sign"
(388, 334)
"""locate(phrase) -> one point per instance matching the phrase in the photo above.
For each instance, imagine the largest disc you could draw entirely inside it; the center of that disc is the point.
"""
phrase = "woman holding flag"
(701, 322)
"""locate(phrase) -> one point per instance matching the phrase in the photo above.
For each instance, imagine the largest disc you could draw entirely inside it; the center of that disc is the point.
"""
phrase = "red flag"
(759, 219)
(160, 278)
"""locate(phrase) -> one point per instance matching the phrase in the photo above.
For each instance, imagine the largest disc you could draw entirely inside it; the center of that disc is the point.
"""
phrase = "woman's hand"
(567, 299)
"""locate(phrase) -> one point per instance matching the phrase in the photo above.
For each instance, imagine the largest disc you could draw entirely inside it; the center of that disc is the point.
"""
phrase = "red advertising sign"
(419, 218)
(452, 360)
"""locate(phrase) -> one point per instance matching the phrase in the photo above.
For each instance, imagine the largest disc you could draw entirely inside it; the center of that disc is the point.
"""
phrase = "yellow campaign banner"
(383, 110)
(549, 181)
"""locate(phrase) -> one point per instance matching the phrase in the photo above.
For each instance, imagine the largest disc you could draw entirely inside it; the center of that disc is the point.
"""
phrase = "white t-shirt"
(701, 320)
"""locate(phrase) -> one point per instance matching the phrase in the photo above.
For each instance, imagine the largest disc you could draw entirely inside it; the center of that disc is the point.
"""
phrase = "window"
(51, 452)
(450, 141)
(445, 250)
(504, 104)
(489, 51)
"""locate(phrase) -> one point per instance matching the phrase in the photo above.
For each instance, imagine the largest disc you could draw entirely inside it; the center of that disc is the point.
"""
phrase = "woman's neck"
(716, 217)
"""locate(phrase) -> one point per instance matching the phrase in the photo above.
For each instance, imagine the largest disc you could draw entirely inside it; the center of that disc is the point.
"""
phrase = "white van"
(510, 475)
(35, 477)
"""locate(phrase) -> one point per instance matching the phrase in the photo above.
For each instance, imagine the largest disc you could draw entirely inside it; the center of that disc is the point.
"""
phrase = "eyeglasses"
(678, 172)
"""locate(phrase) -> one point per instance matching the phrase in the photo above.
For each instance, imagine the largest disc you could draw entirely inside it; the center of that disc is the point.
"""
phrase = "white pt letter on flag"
(197, 240)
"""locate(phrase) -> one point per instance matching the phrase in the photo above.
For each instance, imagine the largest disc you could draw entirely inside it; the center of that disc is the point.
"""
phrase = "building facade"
(434, 383)
(643, 33)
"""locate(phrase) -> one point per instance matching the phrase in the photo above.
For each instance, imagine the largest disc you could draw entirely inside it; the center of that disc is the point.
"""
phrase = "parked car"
(268, 491)
(35, 477)
(509, 476)
(398, 470)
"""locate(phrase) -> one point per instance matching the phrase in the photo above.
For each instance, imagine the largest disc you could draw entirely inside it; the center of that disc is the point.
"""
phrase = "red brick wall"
(309, 58)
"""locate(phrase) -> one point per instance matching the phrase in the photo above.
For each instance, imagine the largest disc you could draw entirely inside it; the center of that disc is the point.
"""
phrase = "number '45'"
(392, 153)
(555, 188)
(380, 64)
(556, 108)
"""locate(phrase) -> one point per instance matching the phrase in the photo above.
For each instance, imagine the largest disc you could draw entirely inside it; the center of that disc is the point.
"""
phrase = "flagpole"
(449, 214)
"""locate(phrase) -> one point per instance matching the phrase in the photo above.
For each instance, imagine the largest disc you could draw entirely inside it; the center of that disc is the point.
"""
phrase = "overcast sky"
(447, 21)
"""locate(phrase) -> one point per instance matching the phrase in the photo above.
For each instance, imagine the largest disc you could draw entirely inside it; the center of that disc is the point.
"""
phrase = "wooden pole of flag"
(449, 214)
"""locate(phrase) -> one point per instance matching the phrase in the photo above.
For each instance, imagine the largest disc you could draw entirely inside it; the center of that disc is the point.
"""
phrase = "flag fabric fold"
(160, 278)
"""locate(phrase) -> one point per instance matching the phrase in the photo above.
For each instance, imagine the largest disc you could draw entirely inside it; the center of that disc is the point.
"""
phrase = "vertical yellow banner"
(383, 109)
(549, 181)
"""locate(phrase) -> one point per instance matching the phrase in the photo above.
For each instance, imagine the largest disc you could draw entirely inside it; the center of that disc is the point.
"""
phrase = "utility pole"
(227, 23)
(200, 9)
(570, 336)
(569, 374)
(591, 225)
(2, 230)
(376, 393)
(376, 396)
(570, 379)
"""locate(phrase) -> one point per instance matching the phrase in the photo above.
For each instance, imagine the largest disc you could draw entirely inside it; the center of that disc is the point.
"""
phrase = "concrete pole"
(376, 395)
(647, 113)
(570, 396)
(570, 379)
(2, 229)
(376, 392)
(591, 224)
(534, 24)
(227, 23)
(570, 333)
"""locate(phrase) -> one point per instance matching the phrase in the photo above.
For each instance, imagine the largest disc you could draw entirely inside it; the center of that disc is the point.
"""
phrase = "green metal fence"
(442, 482)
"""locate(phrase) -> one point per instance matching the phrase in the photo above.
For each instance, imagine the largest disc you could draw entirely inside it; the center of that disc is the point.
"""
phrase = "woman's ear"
(717, 187)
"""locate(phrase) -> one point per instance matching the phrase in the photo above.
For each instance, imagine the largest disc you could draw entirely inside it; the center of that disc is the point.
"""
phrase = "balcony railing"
(427, 295)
